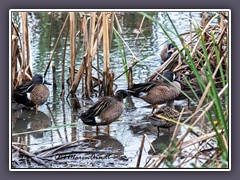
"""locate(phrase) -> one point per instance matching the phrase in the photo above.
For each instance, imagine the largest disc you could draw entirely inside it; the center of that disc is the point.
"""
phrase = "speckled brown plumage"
(167, 112)
(39, 94)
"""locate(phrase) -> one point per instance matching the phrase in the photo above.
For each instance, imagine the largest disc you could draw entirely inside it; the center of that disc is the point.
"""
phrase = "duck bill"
(48, 83)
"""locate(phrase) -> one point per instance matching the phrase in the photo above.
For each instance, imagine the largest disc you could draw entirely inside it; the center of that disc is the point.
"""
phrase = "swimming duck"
(167, 51)
(32, 93)
(158, 93)
(106, 110)
(165, 111)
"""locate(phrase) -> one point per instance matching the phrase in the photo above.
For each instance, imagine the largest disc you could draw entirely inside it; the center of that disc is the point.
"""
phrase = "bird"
(167, 51)
(105, 111)
(158, 93)
(157, 119)
(144, 87)
(32, 93)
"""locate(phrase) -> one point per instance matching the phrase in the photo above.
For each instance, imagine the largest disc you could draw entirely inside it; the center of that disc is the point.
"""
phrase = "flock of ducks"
(109, 108)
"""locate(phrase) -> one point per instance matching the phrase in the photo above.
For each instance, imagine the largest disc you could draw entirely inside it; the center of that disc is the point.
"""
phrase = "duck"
(32, 93)
(155, 93)
(144, 87)
(167, 51)
(167, 112)
(105, 111)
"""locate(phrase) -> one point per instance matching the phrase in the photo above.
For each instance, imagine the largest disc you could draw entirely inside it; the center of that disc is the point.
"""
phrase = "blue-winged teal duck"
(158, 93)
(32, 93)
(167, 112)
(136, 89)
(167, 51)
(106, 110)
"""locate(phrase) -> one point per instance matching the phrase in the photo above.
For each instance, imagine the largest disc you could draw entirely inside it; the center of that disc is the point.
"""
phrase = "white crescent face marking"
(174, 76)
(43, 80)
(28, 96)
(98, 120)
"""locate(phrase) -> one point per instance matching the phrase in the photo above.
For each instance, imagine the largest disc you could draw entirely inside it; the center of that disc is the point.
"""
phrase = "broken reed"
(93, 29)
(20, 58)
(209, 56)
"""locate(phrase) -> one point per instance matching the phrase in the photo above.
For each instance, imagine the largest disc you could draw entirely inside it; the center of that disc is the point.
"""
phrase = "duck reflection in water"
(29, 120)
(106, 144)
(160, 143)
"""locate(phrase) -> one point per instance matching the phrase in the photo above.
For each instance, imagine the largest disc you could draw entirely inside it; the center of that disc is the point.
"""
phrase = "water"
(60, 120)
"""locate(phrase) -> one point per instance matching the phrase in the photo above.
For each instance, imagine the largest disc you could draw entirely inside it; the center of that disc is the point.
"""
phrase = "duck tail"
(88, 120)
(132, 93)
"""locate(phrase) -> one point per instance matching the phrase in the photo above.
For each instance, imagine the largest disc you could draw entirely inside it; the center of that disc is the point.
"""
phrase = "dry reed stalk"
(130, 77)
(222, 22)
(54, 77)
(90, 55)
(98, 33)
(111, 29)
(140, 151)
(201, 115)
(84, 48)
(110, 85)
(14, 60)
(118, 25)
(73, 128)
(31, 156)
(106, 59)
(150, 144)
(26, 48)
(55, 46)
(72, 21)
(63, 63)
(139, 29)
(78, 78)
(199, 139)
(204, 21)
(176, 130)
(98, 67)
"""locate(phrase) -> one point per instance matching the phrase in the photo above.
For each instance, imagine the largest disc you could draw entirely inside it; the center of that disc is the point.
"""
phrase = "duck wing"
(25, 87)
(136, 89)
(96, 109)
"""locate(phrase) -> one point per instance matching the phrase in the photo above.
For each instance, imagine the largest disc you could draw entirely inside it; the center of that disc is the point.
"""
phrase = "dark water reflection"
(126, 133)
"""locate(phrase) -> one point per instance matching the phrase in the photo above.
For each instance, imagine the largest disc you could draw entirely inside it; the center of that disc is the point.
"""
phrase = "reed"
(106, 59)
(72, 30)
(206, 55)
(20, 53)
(56, 43)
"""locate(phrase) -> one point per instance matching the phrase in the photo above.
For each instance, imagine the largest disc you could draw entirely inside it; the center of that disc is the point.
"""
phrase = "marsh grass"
(204, 53)
(208, 57)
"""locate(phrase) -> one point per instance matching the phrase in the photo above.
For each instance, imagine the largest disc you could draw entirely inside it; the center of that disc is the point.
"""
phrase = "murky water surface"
(60, 120)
